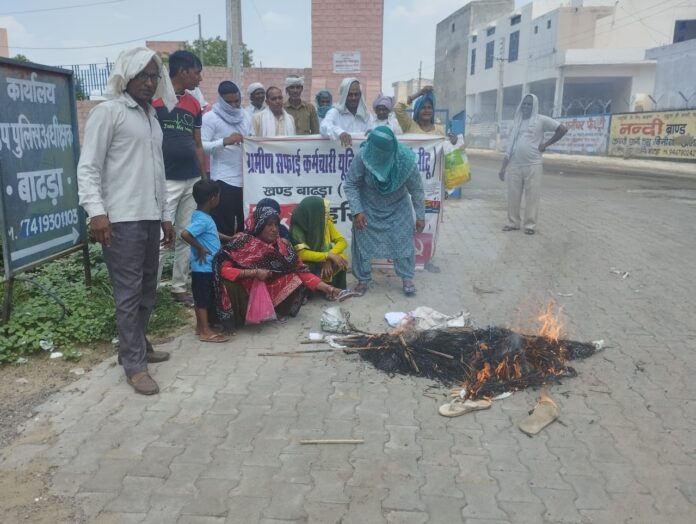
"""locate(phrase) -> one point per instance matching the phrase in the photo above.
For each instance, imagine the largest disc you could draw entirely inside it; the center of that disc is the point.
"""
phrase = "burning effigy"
(485, 362)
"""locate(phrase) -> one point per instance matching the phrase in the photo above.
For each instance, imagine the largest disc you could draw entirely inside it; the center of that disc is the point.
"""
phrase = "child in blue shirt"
(204, 239)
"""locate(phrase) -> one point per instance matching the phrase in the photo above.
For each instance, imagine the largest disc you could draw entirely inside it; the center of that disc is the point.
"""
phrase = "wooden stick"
(438, 353)
(366, 348)
(285, 353)
(332, 441)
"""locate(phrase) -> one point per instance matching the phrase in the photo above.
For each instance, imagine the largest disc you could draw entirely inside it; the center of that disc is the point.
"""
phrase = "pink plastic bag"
(260, 308)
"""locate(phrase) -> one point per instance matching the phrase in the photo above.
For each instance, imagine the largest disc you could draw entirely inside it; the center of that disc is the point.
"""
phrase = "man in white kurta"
(349, 115)
(522, 165)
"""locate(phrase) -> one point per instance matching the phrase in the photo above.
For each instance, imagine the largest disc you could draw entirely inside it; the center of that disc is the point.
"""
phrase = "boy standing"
(204, 239)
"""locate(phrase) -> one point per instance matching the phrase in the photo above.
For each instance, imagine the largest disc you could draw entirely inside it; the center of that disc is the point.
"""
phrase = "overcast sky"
(278, 31)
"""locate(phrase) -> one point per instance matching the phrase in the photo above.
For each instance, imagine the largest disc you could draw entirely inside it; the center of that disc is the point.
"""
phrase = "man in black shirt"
(184, 160)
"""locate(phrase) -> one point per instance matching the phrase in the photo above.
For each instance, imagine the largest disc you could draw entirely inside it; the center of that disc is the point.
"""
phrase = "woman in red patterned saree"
(260, 253)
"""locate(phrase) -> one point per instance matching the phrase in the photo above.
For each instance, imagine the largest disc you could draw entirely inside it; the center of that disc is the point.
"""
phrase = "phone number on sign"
(37, 224)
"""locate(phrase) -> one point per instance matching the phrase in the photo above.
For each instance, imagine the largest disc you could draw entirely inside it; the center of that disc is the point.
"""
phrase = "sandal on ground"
(510, 228)
(409, 289)
(361, 289)
(529, 231)
(217, 338)
(459, 406)
(183, 298)
(544, 413)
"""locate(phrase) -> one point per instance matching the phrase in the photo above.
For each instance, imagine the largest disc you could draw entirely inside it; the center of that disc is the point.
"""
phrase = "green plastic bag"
(457, 170)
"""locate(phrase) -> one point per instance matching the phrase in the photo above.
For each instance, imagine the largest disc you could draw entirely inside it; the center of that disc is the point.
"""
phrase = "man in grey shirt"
(122, 188)
(523, 162)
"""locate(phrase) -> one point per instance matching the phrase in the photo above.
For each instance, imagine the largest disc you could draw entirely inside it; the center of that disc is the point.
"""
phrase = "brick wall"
(212, 76)
(338, 25)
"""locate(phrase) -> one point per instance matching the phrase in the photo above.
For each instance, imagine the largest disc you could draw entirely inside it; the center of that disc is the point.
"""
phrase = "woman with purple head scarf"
(382, 107)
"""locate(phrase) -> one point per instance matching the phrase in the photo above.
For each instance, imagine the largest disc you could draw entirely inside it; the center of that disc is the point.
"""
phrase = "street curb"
(603, 164)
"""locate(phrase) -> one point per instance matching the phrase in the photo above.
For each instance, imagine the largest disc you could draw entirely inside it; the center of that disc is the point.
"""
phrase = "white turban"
(294, 80)
(254, 87)
(131, 62)
(343, 94)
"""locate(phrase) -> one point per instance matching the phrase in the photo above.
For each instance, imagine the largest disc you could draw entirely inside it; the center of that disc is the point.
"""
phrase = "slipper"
(346, 294)
(361, 289)
(432, 268)
(184, 298)
(217, 338)
(529, 231)
(510, 228)
(409, 290)
(544, 413)
(459, 406)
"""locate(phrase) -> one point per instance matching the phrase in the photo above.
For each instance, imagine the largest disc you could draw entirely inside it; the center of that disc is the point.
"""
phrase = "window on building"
(489, 54)
(513, 50)
(684, 30)
(536, 29)
(515, 19)
(548, 24)
(473, 62)
(490, 31)
(453, 27)
(474, 38)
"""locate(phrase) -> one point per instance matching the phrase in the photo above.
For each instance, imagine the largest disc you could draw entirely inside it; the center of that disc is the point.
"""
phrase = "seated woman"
(317, 241)
(269, 202)
(260, 253)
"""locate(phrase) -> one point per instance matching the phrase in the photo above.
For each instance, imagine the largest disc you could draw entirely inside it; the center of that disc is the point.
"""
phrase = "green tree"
(20, 58)
(79, 90)
(215, 52)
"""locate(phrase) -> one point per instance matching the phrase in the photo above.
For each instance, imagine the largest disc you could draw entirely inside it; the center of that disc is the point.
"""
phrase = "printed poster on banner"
(661, 134)
(587, 135)
(290, 169)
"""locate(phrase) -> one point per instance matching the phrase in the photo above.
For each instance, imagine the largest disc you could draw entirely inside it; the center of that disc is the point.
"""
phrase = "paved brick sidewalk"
(220, 443)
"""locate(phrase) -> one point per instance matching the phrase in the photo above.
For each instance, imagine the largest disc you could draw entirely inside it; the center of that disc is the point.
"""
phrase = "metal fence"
(90, 79)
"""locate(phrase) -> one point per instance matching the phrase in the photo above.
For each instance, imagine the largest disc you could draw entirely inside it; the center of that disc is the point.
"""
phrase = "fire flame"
(551, 327)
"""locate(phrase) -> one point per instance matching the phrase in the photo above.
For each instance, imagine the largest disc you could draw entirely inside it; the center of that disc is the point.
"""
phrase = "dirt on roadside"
(24, 494)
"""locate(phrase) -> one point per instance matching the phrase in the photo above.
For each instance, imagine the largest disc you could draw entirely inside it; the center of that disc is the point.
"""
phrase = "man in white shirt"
(349, 115)
(122, 188)
(523, 162)
(223, 132)
(274, 120)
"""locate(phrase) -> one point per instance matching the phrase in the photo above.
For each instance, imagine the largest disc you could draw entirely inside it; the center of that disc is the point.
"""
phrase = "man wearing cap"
(257, 96)
(304, 113)
(122, 188)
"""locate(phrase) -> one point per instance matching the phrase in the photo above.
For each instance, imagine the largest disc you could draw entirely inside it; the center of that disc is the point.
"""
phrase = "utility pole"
(234, 39)
(200, 40)
(499, 101)
(420, 70)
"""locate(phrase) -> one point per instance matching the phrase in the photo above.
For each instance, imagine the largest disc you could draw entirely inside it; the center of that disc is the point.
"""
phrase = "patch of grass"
(40, 323)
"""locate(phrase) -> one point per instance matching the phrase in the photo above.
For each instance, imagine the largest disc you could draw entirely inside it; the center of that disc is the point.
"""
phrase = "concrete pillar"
(558, 93)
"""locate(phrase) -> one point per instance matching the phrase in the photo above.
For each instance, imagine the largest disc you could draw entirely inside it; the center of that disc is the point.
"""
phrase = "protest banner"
(662, 134)
(289, 169)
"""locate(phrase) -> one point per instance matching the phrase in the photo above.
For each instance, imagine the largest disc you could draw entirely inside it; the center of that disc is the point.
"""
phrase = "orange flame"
(483, 375)
(551, 326)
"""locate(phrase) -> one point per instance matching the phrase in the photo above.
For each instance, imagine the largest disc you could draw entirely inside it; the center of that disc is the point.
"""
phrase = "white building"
(675, 74)
(403, 88)
(578, 56)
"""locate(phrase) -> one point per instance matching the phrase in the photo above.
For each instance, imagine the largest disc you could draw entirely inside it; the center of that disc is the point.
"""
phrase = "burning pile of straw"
(485, 362)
